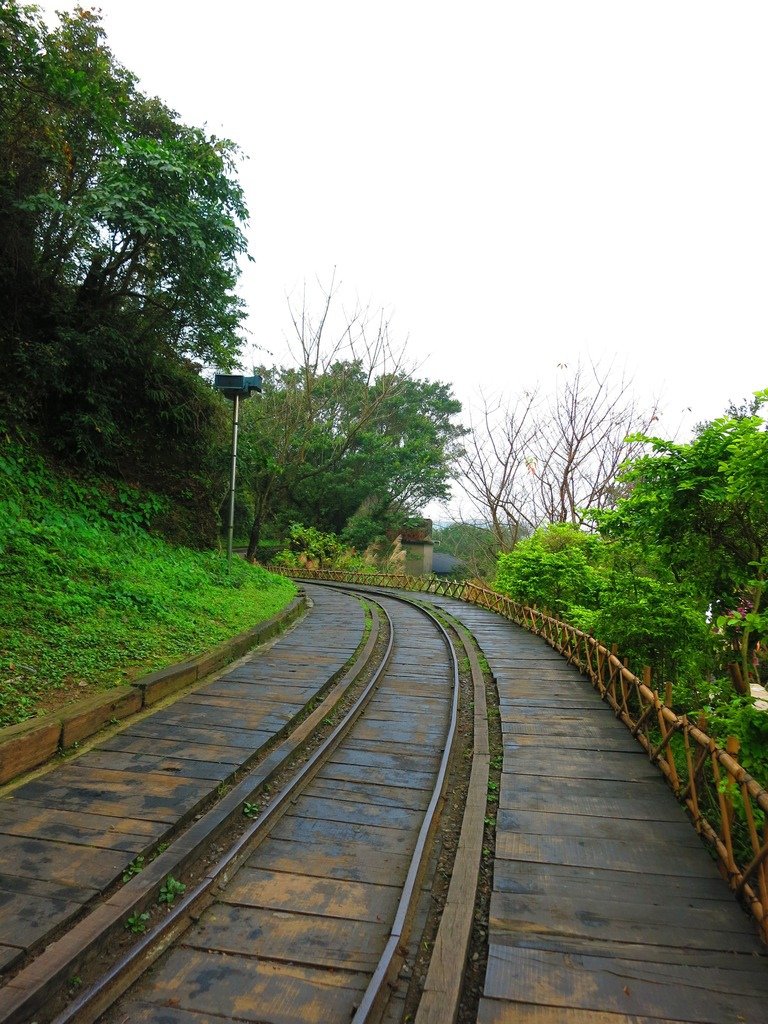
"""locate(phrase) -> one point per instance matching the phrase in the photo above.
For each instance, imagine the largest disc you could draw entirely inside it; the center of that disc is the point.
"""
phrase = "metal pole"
(235, 424)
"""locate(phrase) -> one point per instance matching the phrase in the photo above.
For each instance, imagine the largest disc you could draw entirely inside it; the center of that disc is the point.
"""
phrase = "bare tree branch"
(553, 459)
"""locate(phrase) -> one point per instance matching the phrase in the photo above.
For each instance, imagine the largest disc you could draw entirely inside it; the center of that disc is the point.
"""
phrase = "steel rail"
(371, 1004)
(96, 999)
(609, 676)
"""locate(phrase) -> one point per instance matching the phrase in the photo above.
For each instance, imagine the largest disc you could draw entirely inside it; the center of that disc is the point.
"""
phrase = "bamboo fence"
(727, 806)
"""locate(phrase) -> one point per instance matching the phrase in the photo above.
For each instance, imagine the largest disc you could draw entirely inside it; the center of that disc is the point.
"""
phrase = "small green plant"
(250, 810)
(137, 923)
(160, 848)
(75, 982)
(493, 789)
(169, 890)
(133, 868)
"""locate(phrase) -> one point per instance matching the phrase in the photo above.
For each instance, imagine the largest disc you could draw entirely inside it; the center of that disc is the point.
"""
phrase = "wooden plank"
(86, 717)
(392, 747)
(324, 897)
(244, 988)
(186, 768)
(166, 1012)
(28, 816)
(600, 931)
(442, 986)
(344, 858)
(61, 862)
(380, 758)
(630, 767)
(607, 798)
(16, 885)
(549, 823)
(494, 1011)
(600, 984)
(357, 812)
(310, 830)
(308, 939)
(575, 740)
(25, 918)
(250, 739)
(615, 921)
(65, 827)
(597, 853)
(197, 716)
(130, 742)
(158, 798)
(577, 945)
(541, 878)
(27, 746)
(383, 795)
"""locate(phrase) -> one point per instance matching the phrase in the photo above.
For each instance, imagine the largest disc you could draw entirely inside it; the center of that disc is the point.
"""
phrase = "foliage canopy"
(120, 231)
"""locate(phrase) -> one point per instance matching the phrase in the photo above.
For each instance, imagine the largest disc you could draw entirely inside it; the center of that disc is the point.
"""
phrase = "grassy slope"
(88, 599)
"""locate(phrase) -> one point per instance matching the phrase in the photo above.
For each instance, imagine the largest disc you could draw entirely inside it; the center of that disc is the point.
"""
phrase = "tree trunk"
(254, 538)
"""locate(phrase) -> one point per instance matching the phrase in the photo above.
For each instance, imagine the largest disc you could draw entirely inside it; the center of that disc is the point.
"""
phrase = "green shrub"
(554, 569)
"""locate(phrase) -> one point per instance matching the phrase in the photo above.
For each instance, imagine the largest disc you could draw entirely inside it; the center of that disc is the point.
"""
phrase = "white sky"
(518, 184)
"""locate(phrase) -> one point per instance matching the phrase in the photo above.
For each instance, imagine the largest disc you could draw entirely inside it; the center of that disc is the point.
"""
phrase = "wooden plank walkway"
(297, 932)
(71, 831)
(606, 907)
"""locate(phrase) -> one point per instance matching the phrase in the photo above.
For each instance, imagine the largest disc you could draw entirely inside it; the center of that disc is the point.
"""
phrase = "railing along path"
(727, 806)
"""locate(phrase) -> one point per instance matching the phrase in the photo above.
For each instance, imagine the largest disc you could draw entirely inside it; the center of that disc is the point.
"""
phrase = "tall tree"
(122, 228)
(347, 438)
(552, 458)
(120, 233)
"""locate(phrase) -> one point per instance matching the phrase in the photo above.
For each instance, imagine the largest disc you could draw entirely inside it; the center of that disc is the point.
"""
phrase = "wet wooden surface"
(73, 830)
(298, 931)
(606, 907)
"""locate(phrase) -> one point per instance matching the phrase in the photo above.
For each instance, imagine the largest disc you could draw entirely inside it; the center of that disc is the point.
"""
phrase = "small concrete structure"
(417, 544)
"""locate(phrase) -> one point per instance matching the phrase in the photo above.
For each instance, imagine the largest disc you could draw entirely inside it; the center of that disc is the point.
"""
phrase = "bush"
(604, 590)
(554, 569)
(309, 548)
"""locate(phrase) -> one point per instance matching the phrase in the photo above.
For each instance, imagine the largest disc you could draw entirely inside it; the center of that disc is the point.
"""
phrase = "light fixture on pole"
(235, 387)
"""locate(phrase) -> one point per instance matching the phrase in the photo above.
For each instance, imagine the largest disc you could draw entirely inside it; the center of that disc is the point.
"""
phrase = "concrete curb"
(30, 744)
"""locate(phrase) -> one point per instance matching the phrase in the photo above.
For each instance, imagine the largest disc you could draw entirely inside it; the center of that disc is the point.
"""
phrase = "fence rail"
(727, 806)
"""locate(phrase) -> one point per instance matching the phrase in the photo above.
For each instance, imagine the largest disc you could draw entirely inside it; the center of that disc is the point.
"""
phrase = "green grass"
(88, 598)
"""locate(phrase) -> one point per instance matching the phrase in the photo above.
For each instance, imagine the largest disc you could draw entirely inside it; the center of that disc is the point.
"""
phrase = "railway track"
(305, 915)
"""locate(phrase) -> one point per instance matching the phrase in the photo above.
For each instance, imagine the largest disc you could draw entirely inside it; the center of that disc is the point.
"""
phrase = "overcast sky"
(517, 184)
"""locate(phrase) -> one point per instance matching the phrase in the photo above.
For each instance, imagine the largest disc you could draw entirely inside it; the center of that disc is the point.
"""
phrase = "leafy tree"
(346, 440)
(120, 230)
(703, 507)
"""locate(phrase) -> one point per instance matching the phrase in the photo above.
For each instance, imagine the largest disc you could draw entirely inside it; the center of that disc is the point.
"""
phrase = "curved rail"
(727, 806)
(33, 991)
(371, 1001)
(89, 1005)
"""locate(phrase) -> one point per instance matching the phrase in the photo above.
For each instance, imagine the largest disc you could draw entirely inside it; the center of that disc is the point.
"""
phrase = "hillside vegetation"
(89, 598)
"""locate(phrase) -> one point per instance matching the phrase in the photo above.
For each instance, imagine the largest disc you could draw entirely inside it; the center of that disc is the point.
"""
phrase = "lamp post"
(234, 387)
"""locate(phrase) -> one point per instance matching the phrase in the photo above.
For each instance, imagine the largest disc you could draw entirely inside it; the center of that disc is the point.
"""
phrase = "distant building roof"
(443, 564)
